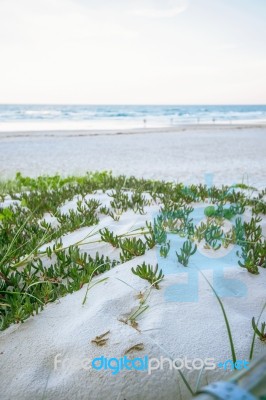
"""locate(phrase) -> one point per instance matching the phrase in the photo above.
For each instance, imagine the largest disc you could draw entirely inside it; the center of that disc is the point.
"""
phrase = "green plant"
(175, 218)
(109, 237)
(90, 286)
(261, 333)
(149, 273)
(239, 231)
(131, 247)
(24, 292)
(140, 309)
(151, 239)
(35, 267)
(164, 249)
(135, 314)
(200, 230)
(84, 216)
(116, 217)
(253, 247)
(120, 201)
(187, 251)
(213, 237)
(157, 233)
(224, 212)
(259, 207)
(138, 202)
(254, 334)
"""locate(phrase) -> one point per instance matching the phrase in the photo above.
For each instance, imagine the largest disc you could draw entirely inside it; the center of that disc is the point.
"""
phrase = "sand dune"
(171, 326)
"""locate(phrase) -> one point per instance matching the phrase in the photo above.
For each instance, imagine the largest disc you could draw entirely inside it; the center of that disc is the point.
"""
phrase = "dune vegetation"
(36, 268)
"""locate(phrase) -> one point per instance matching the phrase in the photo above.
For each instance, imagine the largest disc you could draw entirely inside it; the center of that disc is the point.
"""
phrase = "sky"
(133, 51)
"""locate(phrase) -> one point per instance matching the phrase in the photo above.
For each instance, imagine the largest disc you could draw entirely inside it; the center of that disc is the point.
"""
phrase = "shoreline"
(132, 131)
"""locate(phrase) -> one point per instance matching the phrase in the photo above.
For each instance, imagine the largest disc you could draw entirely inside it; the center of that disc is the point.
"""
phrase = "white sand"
(230, 153)
(193, 329)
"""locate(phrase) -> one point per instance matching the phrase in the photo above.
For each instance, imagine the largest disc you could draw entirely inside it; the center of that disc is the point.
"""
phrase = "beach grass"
(36, 268)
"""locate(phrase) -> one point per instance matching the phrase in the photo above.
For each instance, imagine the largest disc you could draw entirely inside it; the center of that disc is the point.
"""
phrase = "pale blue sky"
(133, 51)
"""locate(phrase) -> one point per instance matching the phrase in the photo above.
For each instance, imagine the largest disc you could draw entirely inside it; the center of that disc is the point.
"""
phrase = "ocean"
(84, 117)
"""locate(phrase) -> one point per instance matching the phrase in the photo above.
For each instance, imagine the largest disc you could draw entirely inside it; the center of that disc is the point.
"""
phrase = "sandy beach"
(191, 154)
(171, 325)
(132, 200)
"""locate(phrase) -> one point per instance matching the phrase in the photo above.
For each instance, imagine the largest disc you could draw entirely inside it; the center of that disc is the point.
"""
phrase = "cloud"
(168, 10)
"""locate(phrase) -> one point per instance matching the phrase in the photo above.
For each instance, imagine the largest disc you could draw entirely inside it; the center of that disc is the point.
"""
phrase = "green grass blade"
(199, 379)
(254, 334)
(225, 318)
(89, 287)
(24, 294)
(186, 382)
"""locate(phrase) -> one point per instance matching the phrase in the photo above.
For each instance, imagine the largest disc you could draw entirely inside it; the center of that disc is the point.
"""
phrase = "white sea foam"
(74, 117)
